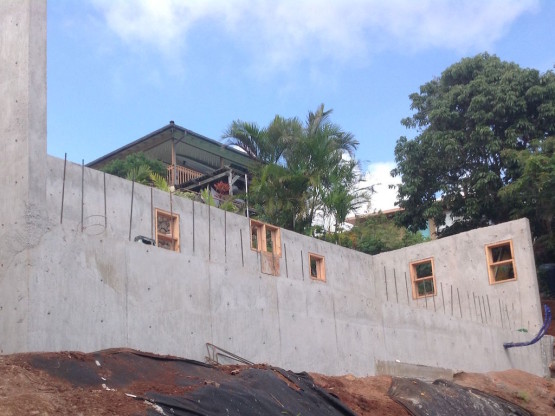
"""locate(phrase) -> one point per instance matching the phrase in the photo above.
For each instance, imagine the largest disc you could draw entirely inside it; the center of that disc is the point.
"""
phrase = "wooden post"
(230, 182)
(174, 163)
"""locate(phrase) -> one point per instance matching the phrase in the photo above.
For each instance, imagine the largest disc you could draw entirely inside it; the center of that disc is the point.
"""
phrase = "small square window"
(501, 264)
(423, 278)
(317, 267)
(167, 230)
(265, 238)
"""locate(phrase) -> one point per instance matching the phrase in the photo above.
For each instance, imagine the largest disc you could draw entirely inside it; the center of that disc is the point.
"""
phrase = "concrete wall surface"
(92, 287)
(22, 159)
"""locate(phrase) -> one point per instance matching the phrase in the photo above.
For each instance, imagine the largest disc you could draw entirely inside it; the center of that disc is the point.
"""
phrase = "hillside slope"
(128, 382)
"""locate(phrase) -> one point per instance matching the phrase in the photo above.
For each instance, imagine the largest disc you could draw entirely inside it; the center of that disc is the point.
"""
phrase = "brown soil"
(534, 393)
(25, 389)
(368, 396)
(364, 396)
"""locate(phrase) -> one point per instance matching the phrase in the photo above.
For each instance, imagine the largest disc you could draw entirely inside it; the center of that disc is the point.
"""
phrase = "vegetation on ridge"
(307, 169)
(483, 150)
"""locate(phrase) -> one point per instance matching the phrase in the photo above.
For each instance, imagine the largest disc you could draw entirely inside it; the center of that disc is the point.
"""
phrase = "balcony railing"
(182, 175)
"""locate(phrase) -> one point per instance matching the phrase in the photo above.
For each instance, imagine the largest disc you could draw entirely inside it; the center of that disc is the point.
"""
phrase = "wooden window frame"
(258, 227)
(320, 267)
(262, 230)
(492, 264)
(416, 280)
(173, 236)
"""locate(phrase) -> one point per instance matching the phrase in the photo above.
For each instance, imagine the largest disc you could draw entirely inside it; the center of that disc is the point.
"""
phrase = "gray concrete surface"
(22, 159)
(214, 291)
(398, 369)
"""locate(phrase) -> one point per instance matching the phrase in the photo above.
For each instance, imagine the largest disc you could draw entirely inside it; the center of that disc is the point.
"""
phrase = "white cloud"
(281, 33)
(378, 175)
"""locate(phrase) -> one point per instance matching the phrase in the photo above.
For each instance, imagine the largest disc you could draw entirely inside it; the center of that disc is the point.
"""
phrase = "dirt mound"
(368, 395)
(126, 382)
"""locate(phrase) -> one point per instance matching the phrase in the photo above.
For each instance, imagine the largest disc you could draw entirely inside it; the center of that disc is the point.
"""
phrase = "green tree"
(377, 234)
(266, 145)
(305, 168)
(137, 166)
(325, 155)
(343, 195)
(279, 196)
(532, 195)
(467, 121)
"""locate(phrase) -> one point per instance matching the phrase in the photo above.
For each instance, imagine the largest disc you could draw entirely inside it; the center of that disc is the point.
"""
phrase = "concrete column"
(23, 103)
(22, 159)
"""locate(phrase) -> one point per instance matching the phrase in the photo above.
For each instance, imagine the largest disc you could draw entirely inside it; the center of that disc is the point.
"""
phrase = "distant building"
(429, 232)
(193, 161)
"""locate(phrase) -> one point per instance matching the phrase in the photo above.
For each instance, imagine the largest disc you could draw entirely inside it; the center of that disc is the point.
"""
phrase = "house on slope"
(193, 161)
(430, 231)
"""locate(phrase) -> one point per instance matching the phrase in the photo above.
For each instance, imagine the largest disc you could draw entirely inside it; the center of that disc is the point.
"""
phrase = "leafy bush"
(136, 165)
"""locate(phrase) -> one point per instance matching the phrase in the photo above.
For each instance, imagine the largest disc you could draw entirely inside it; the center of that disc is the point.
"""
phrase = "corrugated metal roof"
(192, 149)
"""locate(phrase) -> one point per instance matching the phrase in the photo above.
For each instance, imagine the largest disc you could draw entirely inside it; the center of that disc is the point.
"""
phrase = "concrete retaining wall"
(94, 289)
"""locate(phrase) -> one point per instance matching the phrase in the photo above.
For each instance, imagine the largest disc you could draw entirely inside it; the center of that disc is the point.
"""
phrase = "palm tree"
(344, 195)
(305, 168)
(249, 137)
(318, 123)
(267, 145)
(323, 153)
(279, 196)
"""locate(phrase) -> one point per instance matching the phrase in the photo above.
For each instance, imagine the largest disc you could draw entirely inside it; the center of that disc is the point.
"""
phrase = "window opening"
(265, 238)
(255, 237)
(423, 278)
(269, 240)
(317, 267)
(501, 264)
(167, 230)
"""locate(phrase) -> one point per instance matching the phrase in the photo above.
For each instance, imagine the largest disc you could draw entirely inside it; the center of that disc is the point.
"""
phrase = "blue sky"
(118, 70)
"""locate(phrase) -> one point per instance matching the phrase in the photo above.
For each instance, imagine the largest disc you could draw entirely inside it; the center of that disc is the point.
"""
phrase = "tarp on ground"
(254, 391)
(187, 387)
(444, 398)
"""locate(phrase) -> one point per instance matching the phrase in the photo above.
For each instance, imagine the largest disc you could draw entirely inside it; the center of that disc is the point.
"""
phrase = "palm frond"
(140, 174)
(159, 181)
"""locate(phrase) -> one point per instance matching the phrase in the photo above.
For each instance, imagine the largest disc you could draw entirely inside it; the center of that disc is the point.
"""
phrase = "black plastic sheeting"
(209, 391)
(256, 392)
(444, 398)
(120, 368)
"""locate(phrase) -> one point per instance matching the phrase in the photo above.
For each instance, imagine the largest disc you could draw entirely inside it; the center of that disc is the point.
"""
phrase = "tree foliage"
(481, 127)
(268, 144)
(159, 181)
(532, 194)
(135, 166)
(377, 234)
(306, 168)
